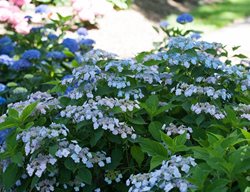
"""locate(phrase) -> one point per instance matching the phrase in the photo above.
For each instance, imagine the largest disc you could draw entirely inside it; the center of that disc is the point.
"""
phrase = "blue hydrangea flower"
(69, 88)
(6, 46)
(67, 77)
(52, 36)
(3, 135)
(28, 17)
(21, 64)
(56, 55)
(164, 24)
(36, 29)
(82, 31)
(5, 40)
(31, 54)
(2, 101)
(88, 42)
(42, 9)
(2, 87)
(184, 18)
(71, 44)
(195, 36)
(6, 60)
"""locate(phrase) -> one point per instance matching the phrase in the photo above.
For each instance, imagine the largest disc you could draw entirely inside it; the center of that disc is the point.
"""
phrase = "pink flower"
(16, 18)
(23, 28)
(4, 4)
(5, 14)
(19, 3)
(87, 10)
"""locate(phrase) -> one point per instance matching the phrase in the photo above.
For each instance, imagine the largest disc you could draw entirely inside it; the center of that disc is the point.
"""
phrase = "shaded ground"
(130, 31)
(125, 33)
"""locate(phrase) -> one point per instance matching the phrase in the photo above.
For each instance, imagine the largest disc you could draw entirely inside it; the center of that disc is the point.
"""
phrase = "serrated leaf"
(53, 149)
(156, 161)
(29, 125)
(137, 120)
(235, 48)
(164, 108)
(246, 134)
(8, 124)
(28, 111)
(180, 139)
(166, 139)
(96, 137)
(84, 175)
(137, 154)
(154, 128)
(34, 181)
(116, 156)
(17, 158)
(13, 113)
(70, 165)
(10, 176)
(153, 148)
(241, 56)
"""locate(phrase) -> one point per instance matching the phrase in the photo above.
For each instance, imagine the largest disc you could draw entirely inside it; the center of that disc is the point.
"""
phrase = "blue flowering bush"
(173, 119)
(82, 119)
(46, 54)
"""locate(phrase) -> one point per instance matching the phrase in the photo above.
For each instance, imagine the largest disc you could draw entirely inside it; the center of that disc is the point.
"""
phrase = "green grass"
(221, 14)
(216, 15)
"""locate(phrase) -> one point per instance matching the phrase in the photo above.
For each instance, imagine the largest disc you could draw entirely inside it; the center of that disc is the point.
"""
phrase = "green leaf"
(247, 189)
(70, 165)
(167, 140)
(235, 48)
(84, 175)
(164, 108)
(137, 120)
(64, 175)
(151, 105)
(68, 53)
(218, 185)
(137, 154)
(153, 148)
(53, 149)
(241, 56)
(246, 134)
(11, 141)
(200, 119)
(29, 125)
(96, 137)
(13, 113)
(10, 176)
(56, 82)
(34, 182)
(180, 139)
(17, 158)
(156, 161)
(116, 156)
(28, 111)
(199, 175)
(154, 128)
(8, 124)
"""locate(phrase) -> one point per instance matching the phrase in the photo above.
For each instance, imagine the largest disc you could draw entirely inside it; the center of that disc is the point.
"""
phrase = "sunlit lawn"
(217, 15)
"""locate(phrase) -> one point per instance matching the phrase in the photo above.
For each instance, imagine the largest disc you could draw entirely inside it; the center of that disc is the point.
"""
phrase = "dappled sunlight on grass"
(217, 15)
(221, 14)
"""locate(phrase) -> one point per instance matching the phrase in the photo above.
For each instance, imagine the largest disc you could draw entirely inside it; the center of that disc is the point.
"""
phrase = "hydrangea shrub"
(170, 120)
(45, 55)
